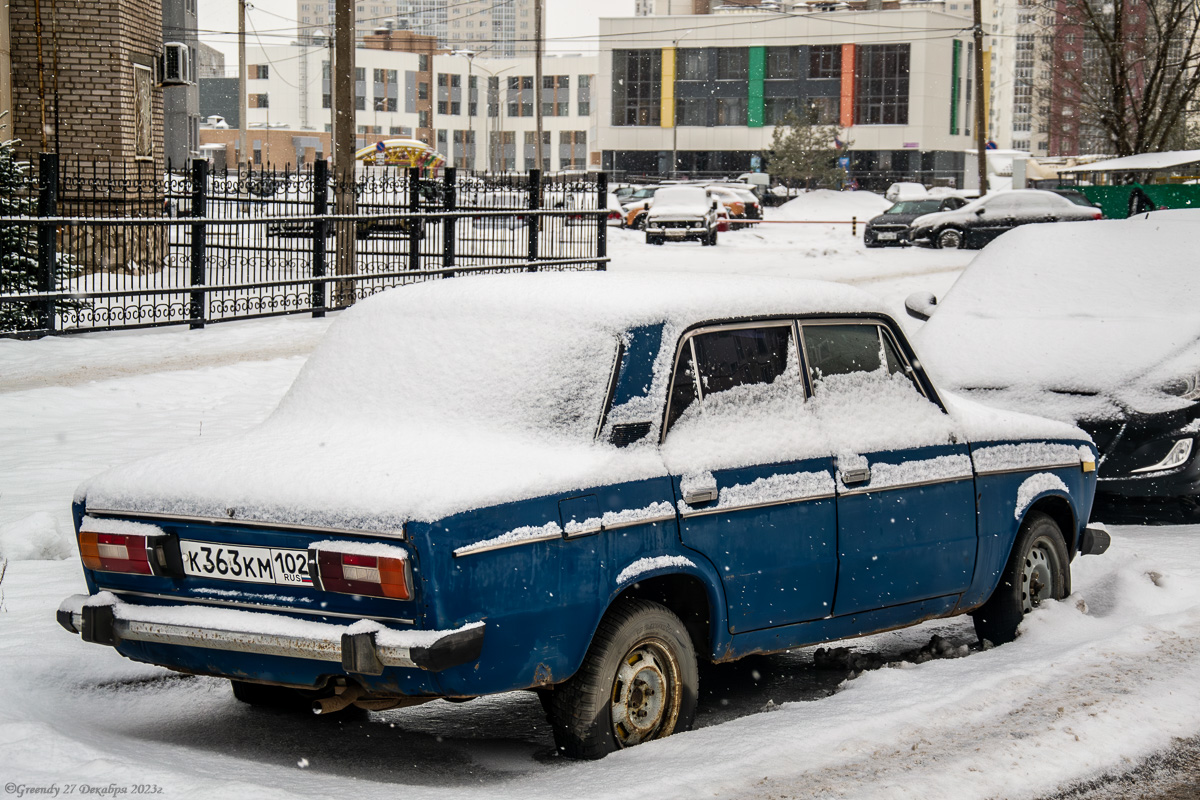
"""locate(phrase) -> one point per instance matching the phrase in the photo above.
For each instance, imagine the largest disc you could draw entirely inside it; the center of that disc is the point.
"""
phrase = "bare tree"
(1123, 73)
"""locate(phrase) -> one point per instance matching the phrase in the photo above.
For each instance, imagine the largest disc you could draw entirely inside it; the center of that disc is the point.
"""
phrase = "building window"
(584, 95)
(825, 61)
(881, 85)
(493, 97)
(691, 111)
(572, 149)
(387, 94)
(531, 150)
(257, 101)
(422, 119)
(422, 91)
(733, 64)
(691, 64)
(520, 96)
(783, 63)
(556, 90)
(637, 87)
(259, 72)
(731, 111)
(423, 63)
(360, 88)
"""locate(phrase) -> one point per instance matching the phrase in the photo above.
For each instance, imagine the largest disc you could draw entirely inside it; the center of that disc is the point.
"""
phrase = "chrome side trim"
(247, 523)
(729, 509)
(189, 600)
(1030, 468)
(646, 521)
(471, 549)
(913, 485)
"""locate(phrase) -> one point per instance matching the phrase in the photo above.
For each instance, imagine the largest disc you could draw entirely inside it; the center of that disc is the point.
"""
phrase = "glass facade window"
(637, 87)
(691, 64)
(556, 95)
(776, 109)
(783, 63)
(825, 61)
(825, 110)
(733, 63)
(584, 95)
(731, 110)
(881, 85)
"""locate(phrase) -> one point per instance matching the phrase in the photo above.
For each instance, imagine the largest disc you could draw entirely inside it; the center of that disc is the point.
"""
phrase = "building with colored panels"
(710, 89)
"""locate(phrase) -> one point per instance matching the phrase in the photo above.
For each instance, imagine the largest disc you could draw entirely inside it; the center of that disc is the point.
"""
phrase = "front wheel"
(951, 239)
(1037, 570)
(638, 682)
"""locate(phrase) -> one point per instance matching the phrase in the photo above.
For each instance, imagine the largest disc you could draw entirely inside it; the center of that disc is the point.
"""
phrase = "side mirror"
(921, 305)
(979, 212)
(646, 206)
(714, 205)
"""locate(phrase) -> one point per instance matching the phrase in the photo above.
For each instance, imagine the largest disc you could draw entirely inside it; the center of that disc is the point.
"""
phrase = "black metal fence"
(131, 248)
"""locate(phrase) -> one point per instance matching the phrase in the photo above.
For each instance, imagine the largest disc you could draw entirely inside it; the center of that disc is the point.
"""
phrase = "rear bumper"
(364, 648)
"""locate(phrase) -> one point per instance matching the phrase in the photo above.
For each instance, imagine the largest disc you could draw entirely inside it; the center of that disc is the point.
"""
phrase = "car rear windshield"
(915, 207)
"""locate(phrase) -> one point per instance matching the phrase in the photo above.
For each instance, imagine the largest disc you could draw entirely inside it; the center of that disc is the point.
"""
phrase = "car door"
(999, 215)
(906, 491)
(749, 502)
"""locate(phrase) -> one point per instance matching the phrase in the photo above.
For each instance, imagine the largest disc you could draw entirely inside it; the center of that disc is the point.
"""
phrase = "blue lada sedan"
(580, 485)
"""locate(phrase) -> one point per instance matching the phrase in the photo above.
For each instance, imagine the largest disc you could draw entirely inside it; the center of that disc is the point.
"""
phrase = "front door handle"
(854, 477)
(700, 496)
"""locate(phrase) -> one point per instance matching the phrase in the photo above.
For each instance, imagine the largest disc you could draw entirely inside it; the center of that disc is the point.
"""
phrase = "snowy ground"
(1094, 685)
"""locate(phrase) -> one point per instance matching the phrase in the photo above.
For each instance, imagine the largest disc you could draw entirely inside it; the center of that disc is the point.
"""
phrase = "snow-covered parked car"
(982, 220)
(580, 484)
(681, 213)
(1097, 325)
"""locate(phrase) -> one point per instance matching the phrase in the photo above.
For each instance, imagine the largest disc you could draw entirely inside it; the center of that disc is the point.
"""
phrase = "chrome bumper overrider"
(364, 647)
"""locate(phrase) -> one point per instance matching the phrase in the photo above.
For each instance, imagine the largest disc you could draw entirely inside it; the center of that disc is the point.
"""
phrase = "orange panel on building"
(847, 118)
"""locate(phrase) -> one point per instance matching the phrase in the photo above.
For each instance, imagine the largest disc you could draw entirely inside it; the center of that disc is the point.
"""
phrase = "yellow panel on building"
(667, 116)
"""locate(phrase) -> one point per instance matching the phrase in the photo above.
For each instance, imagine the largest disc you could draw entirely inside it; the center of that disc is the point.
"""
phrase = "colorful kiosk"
(403, 153)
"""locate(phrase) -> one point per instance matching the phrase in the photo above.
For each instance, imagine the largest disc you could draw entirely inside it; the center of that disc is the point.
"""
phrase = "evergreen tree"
(18, 243)
(805, 153)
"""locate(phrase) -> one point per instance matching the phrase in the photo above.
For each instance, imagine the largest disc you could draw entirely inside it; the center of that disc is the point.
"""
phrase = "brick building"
(102, 103)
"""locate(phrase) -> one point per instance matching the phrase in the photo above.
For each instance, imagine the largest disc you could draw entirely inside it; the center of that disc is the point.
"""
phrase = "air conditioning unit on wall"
(175, 64)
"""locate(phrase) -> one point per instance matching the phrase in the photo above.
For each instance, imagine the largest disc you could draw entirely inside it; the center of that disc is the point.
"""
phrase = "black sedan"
(980, 221)
(1098, 325)
(891, 227)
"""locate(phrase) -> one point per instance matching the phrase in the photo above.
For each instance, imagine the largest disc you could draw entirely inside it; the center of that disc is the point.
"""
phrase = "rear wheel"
(638, 682)
(951, 239)
(1037, 571)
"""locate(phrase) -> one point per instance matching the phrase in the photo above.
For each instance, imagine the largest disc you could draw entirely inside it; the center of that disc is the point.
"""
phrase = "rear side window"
(718, 361)
(843, 349)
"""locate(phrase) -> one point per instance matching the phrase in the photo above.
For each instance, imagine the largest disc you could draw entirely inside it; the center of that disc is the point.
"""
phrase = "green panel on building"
(758, 72)
(954, 87)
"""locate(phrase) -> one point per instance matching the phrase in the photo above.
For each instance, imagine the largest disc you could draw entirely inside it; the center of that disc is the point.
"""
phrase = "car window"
(951, 203)
(728, 358)
(846, 348)
(1002, 203)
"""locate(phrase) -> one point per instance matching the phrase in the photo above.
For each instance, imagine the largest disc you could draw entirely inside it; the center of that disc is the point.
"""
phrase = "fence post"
(47, 233)
(602, 231)
(532, 222)
(449, 203)
(320, 228)
(416, 228)
(199, 232)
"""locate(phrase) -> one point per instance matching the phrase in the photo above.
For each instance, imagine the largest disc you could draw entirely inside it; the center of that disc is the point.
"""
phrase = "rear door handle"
(854, 477)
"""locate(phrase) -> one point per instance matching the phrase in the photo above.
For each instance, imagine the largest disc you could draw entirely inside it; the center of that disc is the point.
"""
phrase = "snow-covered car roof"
(432, 399)
(1051, 309)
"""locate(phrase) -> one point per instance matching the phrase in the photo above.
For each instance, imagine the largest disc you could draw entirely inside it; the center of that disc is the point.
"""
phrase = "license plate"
(676, 233)
(247, 564)
(887, 237)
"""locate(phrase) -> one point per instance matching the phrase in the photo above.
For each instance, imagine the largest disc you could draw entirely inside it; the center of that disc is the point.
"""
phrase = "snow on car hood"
(690, 201)
(432, 399)
(1073, 320)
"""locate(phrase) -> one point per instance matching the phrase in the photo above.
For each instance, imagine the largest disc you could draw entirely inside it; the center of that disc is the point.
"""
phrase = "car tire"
(712, 238)
(951, 239)
(638, 682)
(639, 222)
(1038, 569)
(653, 239)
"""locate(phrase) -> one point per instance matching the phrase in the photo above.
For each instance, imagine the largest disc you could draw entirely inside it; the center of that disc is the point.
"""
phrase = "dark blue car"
(580, 485)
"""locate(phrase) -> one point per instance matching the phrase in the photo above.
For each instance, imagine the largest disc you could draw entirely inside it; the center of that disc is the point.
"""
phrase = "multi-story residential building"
(476, 111)
(495, 28)
(708, 90)
(1019, 107)
(178, 74)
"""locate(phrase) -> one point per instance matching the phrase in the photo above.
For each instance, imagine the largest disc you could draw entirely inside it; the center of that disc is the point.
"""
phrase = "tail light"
(117, 552)
(1098, 215)
(371, 570)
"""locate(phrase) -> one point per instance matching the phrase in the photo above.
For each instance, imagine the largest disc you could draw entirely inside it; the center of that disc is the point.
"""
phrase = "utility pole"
(343, 146)
(241, 148)
(980, 94)
(537, 79)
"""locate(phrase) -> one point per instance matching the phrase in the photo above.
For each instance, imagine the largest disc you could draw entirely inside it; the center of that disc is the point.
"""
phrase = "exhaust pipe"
(344, 696)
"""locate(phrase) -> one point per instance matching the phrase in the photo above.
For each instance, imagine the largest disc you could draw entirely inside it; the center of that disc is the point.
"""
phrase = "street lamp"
(675, 110)
(499, 109)
(470, 55)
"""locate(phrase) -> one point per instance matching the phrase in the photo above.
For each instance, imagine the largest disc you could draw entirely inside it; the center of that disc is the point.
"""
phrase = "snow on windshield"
(1076, 308)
